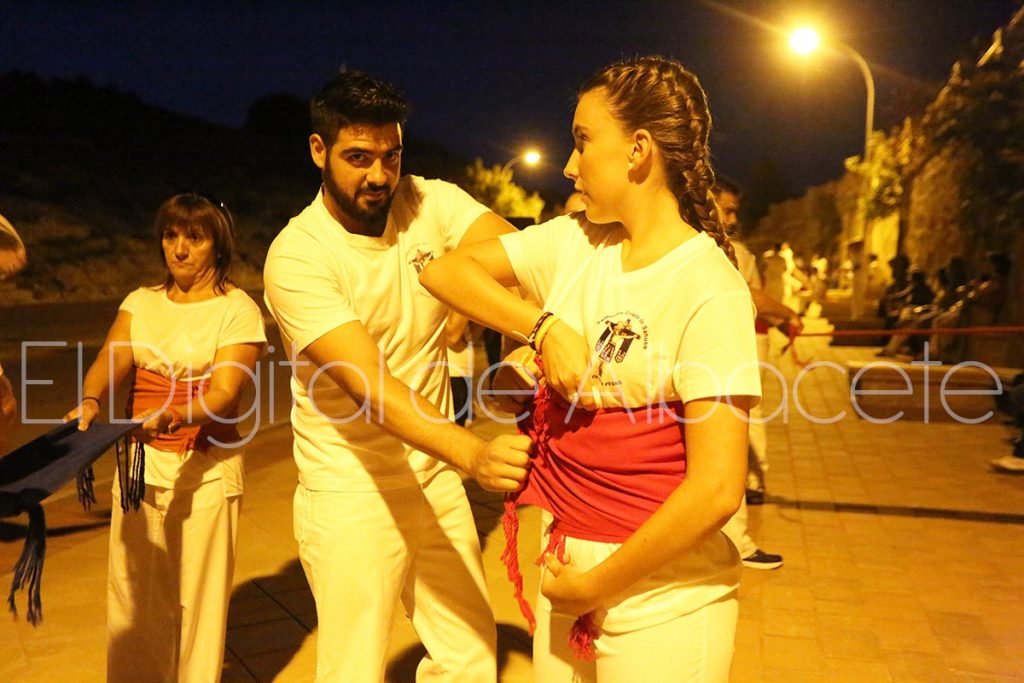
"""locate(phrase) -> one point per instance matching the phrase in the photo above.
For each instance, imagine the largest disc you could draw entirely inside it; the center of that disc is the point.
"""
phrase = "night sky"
(487, 79)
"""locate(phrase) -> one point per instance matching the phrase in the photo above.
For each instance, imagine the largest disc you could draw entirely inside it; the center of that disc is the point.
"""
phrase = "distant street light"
(530, 157)
(806, 40)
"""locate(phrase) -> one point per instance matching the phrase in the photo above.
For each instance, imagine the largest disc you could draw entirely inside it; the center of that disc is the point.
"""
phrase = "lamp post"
(804, 41)
(530, 157)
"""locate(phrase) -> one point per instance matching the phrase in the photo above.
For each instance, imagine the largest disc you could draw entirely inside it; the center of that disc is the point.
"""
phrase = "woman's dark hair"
(353, 97)
(660, 96)
(194, 211)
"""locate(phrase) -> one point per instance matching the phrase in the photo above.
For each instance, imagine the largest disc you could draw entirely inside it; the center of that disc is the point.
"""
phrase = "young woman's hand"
(568, 589)
(568, 364)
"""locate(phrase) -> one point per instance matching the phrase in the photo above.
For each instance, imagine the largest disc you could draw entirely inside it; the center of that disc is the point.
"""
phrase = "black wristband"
(531, 340)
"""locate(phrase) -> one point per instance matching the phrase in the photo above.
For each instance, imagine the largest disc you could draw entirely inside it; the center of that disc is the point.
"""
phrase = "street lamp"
(806, 40)
(530, 157)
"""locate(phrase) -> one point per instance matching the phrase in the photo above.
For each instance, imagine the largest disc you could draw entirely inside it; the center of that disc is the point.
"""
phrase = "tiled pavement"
(902, 556)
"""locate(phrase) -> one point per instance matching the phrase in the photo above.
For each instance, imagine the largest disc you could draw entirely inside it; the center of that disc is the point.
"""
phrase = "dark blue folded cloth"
(31, 473)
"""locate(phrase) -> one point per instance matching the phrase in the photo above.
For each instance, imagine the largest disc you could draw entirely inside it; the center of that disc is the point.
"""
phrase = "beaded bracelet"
(531, 339)
(542, 334)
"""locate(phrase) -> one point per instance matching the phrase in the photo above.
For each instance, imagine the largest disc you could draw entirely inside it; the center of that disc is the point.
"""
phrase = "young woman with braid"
(646, 344)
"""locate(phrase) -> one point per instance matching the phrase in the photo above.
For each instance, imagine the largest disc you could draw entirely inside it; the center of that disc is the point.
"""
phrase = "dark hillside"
(83, 167)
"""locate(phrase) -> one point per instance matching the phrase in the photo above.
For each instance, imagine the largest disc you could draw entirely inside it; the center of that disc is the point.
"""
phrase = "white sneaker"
(1010, 464)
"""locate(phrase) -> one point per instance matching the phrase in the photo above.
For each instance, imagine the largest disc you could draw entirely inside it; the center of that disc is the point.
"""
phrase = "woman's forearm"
(683, 522)
(463, 283)
(716, 446)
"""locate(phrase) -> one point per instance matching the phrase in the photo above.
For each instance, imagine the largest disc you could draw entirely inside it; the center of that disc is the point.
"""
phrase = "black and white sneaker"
(755, 496)
(762, 560)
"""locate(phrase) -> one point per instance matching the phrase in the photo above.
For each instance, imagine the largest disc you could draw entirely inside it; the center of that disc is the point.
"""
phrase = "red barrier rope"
(907, 332)
(911, 332)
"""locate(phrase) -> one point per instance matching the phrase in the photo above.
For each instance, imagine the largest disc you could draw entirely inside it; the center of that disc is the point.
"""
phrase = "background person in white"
(380, 513)
(769, 312)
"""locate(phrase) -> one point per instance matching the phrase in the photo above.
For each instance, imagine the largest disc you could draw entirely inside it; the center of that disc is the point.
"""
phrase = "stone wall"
(932, 234)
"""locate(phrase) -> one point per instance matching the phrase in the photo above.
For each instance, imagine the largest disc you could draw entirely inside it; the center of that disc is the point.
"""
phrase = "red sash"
(151, 390)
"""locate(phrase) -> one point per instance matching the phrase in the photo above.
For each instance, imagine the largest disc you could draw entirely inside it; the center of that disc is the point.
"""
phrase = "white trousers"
(364, 551)
(694, 647)
(757, 453)
(169, 584)
(757, 466)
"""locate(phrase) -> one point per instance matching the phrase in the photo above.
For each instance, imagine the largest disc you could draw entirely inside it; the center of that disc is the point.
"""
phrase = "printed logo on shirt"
(621, 332)
(419, 256)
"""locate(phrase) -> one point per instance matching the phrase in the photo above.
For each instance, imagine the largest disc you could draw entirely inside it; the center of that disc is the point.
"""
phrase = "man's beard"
(374, 219)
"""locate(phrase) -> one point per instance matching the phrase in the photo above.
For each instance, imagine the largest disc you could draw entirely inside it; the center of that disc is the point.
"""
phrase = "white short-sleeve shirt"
(180, 341)
(318, 276)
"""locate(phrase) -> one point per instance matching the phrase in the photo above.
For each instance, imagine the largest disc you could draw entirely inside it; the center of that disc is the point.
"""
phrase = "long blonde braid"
(659, 95)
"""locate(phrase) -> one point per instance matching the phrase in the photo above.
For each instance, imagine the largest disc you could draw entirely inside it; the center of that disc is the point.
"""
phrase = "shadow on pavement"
(510, 639)
(897, 510)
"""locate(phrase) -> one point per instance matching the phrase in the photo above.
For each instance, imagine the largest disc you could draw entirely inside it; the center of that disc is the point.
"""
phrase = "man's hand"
(500, 465)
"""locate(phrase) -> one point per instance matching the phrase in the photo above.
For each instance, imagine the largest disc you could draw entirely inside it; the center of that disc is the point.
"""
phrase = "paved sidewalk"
(901, 548)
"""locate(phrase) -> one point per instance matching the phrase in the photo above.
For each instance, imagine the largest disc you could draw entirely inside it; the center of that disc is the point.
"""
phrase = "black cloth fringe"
(28, 573)
(131, 472)
(86, 494)
(132, 476)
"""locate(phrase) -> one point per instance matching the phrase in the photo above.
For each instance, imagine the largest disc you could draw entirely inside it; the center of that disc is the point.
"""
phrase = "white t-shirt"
(460, 363)
(679, 329)
(319, 276)
(657, 330)
(181, 340)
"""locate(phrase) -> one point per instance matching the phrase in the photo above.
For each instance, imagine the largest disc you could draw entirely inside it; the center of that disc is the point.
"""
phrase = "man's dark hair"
(351, 98)
(725, 184)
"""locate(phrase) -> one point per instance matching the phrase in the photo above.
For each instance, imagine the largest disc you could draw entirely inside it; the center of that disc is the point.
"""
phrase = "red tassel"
(582, 636)
(584, 631)
(510, 557)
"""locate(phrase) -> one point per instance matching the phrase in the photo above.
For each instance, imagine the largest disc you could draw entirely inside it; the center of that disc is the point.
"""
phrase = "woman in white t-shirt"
(647, 348)
(191, 345)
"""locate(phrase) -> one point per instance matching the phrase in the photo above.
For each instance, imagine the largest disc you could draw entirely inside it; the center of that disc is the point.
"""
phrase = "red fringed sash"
(601, 474)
